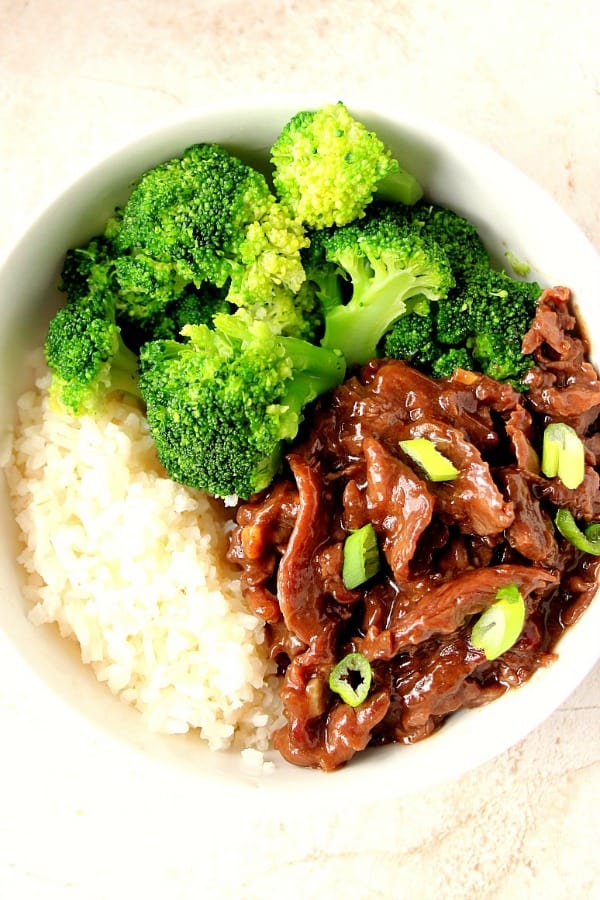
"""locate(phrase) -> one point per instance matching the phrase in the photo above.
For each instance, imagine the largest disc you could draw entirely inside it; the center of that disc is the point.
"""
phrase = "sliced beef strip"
(472, 500)
(563, 386)
(399, 505)
(442, 608)
(430, 682)
(299, 590)
(532, 533)
(262, 534)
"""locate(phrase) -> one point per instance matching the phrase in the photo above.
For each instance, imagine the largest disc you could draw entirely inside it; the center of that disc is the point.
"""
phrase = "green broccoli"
(412, 339)
(464, 248)
(458, 236)
(84, 347)
(328, 166)
(390, 270)
(480, 329)
(500, 312)
(450, 359)
(322, 277)
(150, 299)
(466, 251)
(206, 216)
(88, 269)
(146, 285)
(222, 404)
(192, 211)
(195, 306)
(482, 321)
(452, 319)
(87, 356)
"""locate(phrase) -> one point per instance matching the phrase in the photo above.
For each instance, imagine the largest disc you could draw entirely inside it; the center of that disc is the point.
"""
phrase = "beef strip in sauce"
(446, 547)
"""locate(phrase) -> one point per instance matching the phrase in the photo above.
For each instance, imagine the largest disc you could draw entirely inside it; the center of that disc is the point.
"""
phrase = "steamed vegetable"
(563, 454)
(361, 557)
(499, 627)
(221, 404)
(389, 270)
(351, 678)
(243, 295)
(327, 166)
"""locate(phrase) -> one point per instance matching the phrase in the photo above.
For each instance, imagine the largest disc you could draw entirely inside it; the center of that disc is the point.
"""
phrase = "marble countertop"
(78, 80)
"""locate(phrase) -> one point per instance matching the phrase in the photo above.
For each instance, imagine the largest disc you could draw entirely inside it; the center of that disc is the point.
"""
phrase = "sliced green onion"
(361, 557)
(425, 454)
(588, 540)
(498, 628)
(351, 678)
(563, 454)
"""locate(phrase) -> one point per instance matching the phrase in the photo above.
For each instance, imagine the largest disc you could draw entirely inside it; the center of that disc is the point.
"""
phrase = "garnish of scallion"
(351, 678)
(563, 454)
(499, 627)
(435, 465)
(361, 557)
(588, 540)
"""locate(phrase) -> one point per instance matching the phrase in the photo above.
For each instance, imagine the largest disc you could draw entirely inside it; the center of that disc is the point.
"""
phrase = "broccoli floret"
(322, 276)
(481, 323)
(454, 358)
(84, 347)
(480, 329)
(392, 270)
(193, 211)
(195, 306)
(452, 318)
(412, 339)
(88, 269)
(147, 285)
(222, 404)
(465, 250)
(87, 356)
(149, 298)
(207, 216)
(328, 166)
(466, 253)
(153, 301)
(459, 237)
(269, 281)
(501, 310)
(270, 253)
(286, 313)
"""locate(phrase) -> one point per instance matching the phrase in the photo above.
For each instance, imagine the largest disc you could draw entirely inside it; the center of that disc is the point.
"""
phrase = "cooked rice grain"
(132, 566)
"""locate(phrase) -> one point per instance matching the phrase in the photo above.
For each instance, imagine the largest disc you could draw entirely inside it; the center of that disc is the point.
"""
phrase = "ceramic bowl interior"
(512, 214)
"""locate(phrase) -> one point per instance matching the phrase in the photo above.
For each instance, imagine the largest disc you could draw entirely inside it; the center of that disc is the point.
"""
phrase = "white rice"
(132, 566)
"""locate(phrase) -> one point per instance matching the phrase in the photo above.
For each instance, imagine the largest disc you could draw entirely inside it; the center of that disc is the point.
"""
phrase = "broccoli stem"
(357, 328)
(399, 186)
(316, 370)
(124, 370)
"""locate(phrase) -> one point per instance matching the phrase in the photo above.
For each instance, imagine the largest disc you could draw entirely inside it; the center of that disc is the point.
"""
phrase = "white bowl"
(512, 213)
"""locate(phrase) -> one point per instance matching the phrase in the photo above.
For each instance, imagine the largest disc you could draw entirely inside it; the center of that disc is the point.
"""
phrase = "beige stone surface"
(76, 81)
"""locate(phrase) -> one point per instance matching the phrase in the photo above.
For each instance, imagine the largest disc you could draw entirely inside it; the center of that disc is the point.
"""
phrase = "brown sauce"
(446, 547)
